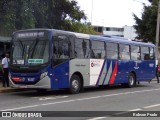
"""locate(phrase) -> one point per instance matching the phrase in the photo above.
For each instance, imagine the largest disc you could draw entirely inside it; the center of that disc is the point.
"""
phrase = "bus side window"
(112, 50)
(98, 49)
(135, 53)
(55, 49)
(146, 57)
(145, 53)
(151, 53)
(82, 49)
(64, 49)
(61, 49)
(124, 52)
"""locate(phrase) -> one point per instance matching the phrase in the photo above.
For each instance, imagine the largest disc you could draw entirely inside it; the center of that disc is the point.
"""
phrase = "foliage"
(57, 14)
(146, 26)
(79, 27)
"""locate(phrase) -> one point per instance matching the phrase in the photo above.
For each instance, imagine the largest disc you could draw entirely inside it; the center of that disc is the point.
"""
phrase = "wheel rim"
(75, 84)
(131, 80)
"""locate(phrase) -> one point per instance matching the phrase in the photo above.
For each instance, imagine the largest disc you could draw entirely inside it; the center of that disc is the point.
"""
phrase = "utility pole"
(157, 30)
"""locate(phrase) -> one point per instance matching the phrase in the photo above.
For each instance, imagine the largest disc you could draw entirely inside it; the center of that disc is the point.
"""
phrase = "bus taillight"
(17, 79)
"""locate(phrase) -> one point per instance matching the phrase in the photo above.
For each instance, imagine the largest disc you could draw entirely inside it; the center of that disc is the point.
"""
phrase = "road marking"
(151, 106)
(22, 107)
(138, 109)
(50, 98)
(97, 118)
(89, 98)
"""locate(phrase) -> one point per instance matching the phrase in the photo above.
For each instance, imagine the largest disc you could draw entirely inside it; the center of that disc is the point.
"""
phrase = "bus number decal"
(43, 75)
(151, 65)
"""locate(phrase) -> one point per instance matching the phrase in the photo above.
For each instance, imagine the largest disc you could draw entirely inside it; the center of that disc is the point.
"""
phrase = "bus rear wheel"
(131, 80)
(75, 84)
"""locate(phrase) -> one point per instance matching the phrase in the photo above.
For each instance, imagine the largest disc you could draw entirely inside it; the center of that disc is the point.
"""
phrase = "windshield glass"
(30, 52)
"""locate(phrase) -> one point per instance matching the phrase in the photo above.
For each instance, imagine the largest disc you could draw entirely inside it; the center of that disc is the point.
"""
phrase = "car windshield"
(30, 52)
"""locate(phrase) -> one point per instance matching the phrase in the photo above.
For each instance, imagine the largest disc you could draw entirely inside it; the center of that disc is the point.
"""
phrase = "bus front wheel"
(131, 80)
(75, 84)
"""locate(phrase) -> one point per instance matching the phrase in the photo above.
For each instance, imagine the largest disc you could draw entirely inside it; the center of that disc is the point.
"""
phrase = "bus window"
(135, 53)
(64, 49)
(61, 49)
(124, 52)
(151, 53)
(82, 49)
(112, 50)
(145, 53)
(98, 50)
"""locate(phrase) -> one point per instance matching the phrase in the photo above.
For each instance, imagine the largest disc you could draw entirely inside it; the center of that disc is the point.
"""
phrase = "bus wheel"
(75, 84)
(131, 80)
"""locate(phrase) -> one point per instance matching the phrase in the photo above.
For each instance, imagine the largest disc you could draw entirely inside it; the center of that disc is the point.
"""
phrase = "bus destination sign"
(30, 34)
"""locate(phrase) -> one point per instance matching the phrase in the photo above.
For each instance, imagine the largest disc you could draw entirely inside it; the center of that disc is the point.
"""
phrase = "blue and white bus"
(55, 59)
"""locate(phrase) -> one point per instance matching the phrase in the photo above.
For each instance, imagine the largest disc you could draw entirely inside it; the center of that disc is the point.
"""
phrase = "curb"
(5, 90)
(9, 90)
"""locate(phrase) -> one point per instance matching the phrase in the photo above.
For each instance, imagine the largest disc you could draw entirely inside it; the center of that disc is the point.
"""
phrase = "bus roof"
(112, 39)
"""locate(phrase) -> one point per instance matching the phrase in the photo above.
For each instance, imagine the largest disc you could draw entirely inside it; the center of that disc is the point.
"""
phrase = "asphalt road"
(144, 97)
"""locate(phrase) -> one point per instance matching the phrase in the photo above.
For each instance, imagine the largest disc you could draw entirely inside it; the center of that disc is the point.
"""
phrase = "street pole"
(157, 31)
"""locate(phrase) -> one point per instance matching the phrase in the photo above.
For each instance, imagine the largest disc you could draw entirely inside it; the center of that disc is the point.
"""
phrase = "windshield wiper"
(33, 48)
(23, 48)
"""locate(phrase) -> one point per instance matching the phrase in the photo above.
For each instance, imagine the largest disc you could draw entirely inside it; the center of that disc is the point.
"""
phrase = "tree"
(57, 14)
(79, 27)
(17, 14)
(146, 26)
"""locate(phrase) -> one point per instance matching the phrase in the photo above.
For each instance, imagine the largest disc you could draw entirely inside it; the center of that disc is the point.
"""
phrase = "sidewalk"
(8, 89)
(5, 89)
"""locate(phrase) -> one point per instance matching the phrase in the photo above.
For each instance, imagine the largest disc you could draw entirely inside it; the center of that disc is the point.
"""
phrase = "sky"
(112, 13)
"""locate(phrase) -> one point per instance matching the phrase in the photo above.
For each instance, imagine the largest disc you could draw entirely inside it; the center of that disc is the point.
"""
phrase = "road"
(144, 97)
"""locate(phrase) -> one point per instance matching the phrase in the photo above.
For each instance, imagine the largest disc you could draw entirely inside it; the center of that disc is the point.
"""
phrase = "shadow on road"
(34, 93)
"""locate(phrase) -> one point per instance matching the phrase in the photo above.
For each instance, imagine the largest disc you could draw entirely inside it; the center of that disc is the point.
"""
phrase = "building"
(127, 31)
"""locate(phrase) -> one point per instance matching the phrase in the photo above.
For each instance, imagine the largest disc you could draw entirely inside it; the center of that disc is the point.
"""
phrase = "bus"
(56, 59)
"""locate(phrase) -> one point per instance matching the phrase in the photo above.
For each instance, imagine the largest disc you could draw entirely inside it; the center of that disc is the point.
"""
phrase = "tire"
(131, 80)
(75, 84)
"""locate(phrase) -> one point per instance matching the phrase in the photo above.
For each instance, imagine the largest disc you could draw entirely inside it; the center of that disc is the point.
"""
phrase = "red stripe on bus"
(114, 73)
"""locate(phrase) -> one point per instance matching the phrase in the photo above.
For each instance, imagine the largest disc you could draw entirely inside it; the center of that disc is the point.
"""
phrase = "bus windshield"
(30, 52)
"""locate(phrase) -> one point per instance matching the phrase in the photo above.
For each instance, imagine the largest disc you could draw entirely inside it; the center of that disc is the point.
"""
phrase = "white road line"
(22, 107)
(49, 97)
(138, 109)
(89, 98)
(52, 98)
(151, 106)
(97, 118)
(41, 96)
